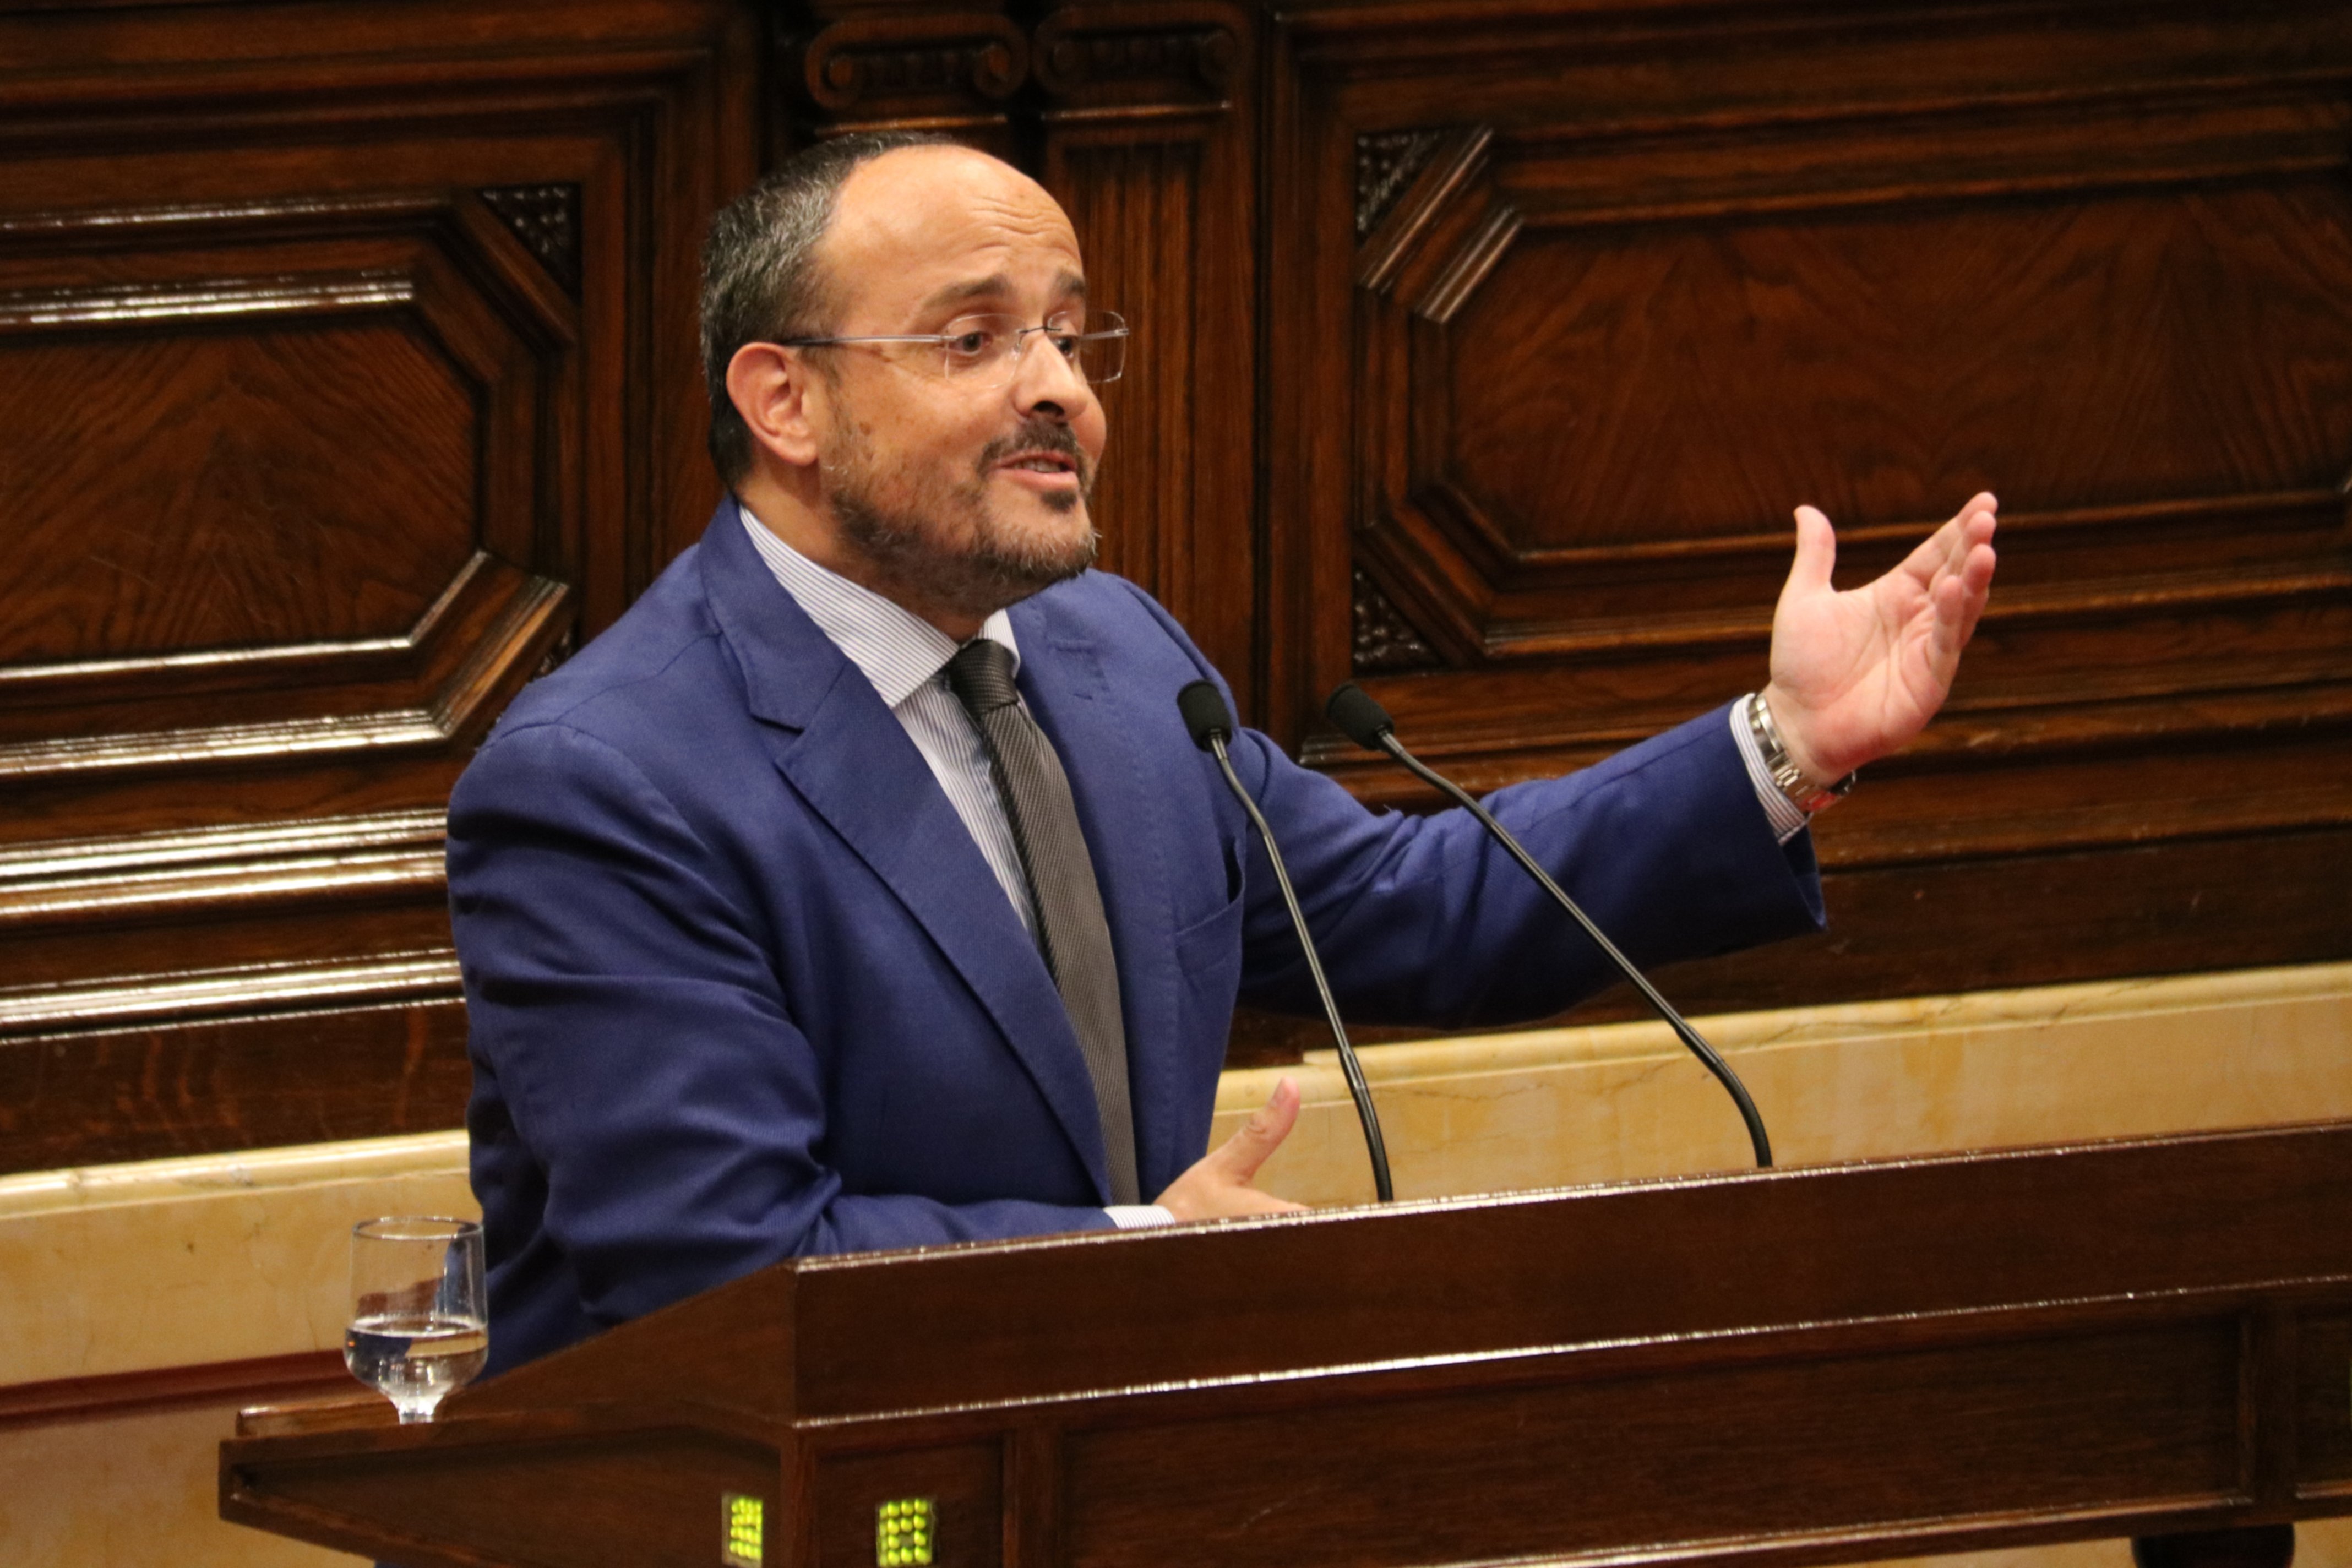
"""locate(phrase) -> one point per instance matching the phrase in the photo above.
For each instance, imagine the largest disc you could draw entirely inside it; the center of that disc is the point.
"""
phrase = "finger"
(1958, 599)
(1237, 1158)
(1976, 588)
(1946, 636)
(1971, 526)
(1946, 551)
(1816, 552)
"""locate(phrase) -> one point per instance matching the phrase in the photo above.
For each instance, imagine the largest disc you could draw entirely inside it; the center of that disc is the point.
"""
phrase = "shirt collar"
(899, 651)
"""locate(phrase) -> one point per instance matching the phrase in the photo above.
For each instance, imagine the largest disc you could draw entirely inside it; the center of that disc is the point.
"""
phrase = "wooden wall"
(347, 377)
(346, 374)
(1572, 302)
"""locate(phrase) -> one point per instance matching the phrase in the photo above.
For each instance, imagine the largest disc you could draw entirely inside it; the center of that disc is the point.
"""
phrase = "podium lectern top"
(1811, 1365)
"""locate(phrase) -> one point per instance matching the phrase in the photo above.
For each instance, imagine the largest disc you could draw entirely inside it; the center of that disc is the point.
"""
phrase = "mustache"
(1039, 433)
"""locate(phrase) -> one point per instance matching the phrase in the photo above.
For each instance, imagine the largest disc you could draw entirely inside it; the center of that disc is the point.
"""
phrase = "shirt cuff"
(1787, 820)
(1139, 1217)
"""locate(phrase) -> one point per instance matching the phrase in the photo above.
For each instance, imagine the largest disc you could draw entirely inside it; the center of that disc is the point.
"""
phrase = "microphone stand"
(1368, 724)
(1210, 723)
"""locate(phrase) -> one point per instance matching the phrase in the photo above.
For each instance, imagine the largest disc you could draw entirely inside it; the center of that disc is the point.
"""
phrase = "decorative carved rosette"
(1110, 57)
(546, 218)
(1385, 642)
(940, 69)
(1386, 162)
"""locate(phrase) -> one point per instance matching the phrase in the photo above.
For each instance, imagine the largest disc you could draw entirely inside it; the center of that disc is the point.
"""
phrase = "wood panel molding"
(250, 991)
(546, 218)
(1573, 305)
(1386, 162)
(1385, 642)
(1481, 347)
(949, 70)
(1147, 115)
(436, 278)
(348, 368)
(306, 1374)
(1504, 595)
(1158, 54)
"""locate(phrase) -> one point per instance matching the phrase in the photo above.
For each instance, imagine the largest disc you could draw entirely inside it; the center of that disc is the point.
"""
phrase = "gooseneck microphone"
(1211, 726)
(1366, 722)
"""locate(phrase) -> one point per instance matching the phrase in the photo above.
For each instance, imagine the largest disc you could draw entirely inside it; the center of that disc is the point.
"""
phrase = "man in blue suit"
(764, 950)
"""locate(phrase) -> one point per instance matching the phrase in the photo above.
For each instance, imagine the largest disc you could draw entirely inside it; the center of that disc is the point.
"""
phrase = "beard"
(912, 542)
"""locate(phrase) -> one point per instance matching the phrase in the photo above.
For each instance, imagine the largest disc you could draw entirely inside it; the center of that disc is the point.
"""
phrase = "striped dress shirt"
(905, 657)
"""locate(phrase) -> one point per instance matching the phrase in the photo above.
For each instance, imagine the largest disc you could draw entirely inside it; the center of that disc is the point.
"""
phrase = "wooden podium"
(1800, 1367)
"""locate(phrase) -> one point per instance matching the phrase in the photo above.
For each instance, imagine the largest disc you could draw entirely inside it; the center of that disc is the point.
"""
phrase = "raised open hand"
(1856, 674)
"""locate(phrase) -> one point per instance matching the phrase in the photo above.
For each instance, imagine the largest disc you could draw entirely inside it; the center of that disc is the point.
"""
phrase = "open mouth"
(1040, 463)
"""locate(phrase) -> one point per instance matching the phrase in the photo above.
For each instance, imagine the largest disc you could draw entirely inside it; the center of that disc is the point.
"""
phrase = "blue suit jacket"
(742, 986)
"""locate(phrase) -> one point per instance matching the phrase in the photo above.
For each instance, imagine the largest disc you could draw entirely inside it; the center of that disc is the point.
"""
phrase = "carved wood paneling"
(345, 378)
(1386, 161)
(1573, 311)
(1384, 641)
(546, 218)
(1148, 128)
(950, 69)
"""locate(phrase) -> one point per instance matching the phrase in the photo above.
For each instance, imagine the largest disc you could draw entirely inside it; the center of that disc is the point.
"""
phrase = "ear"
(773, 388)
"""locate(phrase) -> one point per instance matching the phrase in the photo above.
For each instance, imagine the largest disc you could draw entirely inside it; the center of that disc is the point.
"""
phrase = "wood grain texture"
(345, 375)
(1785, 1368)
(1149, 129)
(1524, 1471)
(304, 1374)
(334, 1069)
(1620, 289)
(264, 535)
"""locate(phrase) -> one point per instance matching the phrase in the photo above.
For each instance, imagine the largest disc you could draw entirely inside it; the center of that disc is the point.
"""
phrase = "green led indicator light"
(906, 1533)
(743, 1521)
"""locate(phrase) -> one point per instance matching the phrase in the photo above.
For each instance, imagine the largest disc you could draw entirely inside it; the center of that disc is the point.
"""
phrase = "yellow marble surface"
(1563, 1107)
(181, 1262)
(132, 1268)
(136, 1491)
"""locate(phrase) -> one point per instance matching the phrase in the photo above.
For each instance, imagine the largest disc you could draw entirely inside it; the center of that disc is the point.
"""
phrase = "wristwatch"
(1803, 793)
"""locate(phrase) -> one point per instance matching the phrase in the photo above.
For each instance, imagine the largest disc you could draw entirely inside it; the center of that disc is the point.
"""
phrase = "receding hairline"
(1069, 280)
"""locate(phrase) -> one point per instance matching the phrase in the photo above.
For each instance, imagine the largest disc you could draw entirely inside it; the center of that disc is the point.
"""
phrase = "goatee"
(997, 566)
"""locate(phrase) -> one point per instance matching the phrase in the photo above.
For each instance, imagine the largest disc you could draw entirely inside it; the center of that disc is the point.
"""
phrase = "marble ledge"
(189, 1262)
(1572, 1107)
(219, 1258)
(2039, 1008)
(203, 1175)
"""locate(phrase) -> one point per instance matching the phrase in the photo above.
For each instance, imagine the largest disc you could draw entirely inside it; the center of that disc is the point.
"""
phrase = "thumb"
(1239, 1157)
(1816, 551)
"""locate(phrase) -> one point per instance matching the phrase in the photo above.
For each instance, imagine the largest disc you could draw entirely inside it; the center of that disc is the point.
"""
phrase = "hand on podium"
(1217, 1186)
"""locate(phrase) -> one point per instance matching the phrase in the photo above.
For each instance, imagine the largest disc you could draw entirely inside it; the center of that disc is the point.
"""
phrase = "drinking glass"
(416, 1329)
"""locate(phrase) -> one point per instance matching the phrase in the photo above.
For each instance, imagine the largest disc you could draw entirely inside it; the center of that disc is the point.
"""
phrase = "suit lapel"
(850, 759)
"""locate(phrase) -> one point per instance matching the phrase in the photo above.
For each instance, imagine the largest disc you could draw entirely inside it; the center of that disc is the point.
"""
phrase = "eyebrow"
(1066, 283)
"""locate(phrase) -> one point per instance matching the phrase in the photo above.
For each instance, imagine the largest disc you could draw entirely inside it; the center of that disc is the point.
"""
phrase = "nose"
(1046, 383)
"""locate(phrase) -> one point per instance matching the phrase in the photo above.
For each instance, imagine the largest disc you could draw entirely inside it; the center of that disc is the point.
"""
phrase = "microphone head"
(1359, 718)
(1205, 713)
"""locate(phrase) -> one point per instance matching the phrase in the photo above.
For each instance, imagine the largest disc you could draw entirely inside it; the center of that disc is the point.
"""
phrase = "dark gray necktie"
(1071, 929)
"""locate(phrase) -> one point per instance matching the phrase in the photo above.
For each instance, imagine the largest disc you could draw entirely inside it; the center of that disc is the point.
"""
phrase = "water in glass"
(416, 1328)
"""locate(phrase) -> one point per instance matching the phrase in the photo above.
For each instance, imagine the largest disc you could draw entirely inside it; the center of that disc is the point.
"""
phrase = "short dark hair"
(760, 280)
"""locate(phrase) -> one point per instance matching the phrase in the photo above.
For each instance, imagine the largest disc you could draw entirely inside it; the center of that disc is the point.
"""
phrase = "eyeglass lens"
(990, 345)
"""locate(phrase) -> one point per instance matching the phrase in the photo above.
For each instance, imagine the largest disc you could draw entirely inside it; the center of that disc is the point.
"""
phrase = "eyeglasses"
(985, 351)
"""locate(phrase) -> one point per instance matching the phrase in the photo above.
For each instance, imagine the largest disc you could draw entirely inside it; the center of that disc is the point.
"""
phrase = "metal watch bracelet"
(1803, 793)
